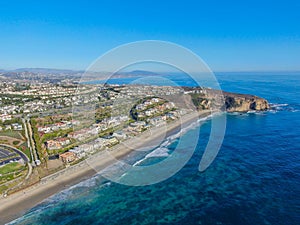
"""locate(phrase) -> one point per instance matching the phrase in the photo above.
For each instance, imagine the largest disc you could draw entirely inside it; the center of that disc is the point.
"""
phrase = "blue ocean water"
(255, 178)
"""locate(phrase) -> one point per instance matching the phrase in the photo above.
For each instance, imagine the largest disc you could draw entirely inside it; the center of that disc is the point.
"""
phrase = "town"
(46, 127)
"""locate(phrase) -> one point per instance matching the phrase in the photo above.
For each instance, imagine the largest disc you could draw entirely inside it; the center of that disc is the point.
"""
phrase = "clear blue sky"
(228, 35)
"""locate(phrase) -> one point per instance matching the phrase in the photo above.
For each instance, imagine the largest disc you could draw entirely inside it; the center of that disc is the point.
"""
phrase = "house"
(157, 121)
(80, 135)
(172, 115)
(92, 131)
(17, 126)
(97, 145)
(61, 125)
(45, 129)
(83, 133)
(63, 141)
(88, 148)
(53, 145)
(155, 100)
(7, 127)
(140, 107)
(79, 152)
(100, 126)
(110, 141)
(138, 124)
(57, 143)
(68, 157)
(5, 117)
(113, 121)
(119, 135)
(149, 112)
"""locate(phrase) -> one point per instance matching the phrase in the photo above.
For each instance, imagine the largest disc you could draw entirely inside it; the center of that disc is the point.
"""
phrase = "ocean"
(255, 178)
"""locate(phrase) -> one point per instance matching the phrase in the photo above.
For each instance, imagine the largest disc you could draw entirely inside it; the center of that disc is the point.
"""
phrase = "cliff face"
(244, 103)
(226, 101)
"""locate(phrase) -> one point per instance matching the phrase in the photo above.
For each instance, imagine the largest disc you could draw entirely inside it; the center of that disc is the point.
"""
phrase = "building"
(120, 135)
(52, 145)
(80, 135)
(111, 140)
(57, 143)
(63, 141)
(83, 133)
(17, 126)
(68, 157)
(7, 127)
(79, 152)
(5, 117)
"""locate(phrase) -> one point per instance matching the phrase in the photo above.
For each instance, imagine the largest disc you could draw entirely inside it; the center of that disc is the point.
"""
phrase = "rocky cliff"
(243, 103)
(226, 101)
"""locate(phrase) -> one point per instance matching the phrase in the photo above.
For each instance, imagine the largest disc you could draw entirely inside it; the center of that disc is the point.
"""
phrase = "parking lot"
(7, 155)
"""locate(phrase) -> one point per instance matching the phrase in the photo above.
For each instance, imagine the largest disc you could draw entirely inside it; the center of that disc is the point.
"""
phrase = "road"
(23, 155)
(26, 160)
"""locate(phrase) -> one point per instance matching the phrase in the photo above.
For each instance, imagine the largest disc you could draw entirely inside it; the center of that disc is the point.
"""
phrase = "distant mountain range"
(42, 70)
(57, 75)
(70, 72)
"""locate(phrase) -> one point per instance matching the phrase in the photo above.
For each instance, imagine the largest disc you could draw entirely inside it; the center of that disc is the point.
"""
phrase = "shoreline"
(17, 204)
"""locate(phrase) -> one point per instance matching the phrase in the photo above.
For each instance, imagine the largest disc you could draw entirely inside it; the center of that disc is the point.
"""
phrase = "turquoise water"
(255, 178)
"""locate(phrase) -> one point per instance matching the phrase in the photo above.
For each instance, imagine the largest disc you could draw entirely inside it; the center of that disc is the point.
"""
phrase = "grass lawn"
(11, 133)
(27, 152)
(11, 167)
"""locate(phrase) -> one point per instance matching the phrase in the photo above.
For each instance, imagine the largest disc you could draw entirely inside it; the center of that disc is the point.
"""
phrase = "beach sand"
(15, 205)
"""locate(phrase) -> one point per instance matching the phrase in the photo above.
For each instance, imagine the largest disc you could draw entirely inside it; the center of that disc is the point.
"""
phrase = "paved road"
(6, 156)
(23, 156)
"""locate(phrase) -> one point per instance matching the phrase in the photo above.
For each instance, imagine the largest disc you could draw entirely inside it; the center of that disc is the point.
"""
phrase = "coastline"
(15, 205)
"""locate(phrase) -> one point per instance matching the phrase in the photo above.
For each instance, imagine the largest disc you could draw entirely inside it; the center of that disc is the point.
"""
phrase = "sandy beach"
(15, 205)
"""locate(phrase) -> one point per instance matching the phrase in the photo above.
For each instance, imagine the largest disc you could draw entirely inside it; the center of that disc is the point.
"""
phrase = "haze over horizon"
(228, 36)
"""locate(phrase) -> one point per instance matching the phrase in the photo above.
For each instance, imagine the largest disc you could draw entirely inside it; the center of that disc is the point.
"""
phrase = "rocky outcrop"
(231, 102)
(244, 103)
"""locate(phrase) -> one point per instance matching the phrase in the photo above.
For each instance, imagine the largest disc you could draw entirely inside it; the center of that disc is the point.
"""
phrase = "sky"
(254, 35)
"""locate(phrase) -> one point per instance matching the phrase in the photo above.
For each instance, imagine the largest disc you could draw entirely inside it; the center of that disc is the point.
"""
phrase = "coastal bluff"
(205, 98)
(244, 102)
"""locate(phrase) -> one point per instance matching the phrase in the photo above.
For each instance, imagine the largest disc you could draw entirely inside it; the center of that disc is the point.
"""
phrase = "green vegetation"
(102, 113)
(11, 171)
(52, 119)
(26, 152)
(9, 122)
(15, 99)
(3, 188)
(197, 99)
(21, 87)
(62, 150)
(10, 133)
(16, 142)
(8, 168)
(36, 139)
(55, 134)
(134, 112)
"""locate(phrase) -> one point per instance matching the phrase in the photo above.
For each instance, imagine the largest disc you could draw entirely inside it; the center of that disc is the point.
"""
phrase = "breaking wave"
(162, 150)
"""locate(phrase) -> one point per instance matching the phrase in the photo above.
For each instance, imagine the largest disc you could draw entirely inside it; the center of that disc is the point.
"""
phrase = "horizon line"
(214, 71)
